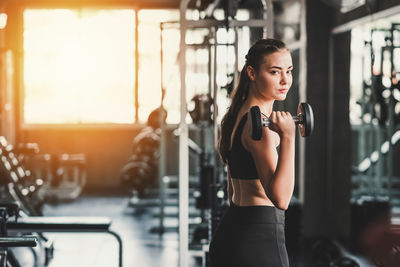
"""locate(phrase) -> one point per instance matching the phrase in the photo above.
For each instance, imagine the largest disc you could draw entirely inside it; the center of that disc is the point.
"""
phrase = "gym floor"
(140, 247)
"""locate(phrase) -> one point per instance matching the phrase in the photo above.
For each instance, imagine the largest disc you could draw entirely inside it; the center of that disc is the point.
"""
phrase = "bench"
(50, 224)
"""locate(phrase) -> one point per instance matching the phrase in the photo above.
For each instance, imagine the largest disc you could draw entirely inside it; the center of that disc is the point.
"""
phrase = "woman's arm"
(276, 172)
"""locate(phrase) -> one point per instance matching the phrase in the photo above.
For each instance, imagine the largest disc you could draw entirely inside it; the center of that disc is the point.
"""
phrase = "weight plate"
(306, 126)
(255, 123)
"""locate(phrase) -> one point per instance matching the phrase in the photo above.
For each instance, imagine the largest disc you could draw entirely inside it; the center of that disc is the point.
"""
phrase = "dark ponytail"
(254, 58)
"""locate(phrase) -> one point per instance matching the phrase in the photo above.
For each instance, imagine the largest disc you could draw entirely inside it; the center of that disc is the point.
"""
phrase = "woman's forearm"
(281, 185)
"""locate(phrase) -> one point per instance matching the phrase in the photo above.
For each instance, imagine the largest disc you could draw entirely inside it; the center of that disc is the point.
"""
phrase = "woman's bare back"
(247, 192)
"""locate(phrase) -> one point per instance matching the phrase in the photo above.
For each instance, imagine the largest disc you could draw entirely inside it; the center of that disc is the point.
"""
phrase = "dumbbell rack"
(18, 181)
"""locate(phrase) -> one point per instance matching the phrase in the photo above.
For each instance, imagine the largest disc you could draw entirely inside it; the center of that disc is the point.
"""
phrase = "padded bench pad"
(60, 224)
(27, 241)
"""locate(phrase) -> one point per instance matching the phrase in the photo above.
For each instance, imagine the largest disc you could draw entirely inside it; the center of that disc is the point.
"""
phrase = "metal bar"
(3, 258)
(268, 16)
(210, 82)
(208, 23)
(391, 121)
(183, 148)
(371, 171)
(362, 136)
(365, 178)
(303, 98)
(361, 21)
(371, 126)
(162, 163)
(215, 88)
(379, 165)
(161, 62)
(236, 64)
(119, 240)
(136, 66)
(380, 137)
(330, 125)
(170, 24)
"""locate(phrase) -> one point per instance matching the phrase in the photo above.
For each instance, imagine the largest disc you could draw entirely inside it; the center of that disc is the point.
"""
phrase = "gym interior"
(109, 128)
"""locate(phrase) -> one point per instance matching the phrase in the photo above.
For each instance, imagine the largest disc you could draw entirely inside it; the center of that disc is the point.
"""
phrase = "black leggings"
(250, 236)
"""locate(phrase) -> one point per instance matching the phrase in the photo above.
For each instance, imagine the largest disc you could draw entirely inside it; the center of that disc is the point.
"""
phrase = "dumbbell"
(304, 120)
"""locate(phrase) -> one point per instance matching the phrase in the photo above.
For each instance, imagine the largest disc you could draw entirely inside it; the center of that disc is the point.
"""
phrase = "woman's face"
(273, 79)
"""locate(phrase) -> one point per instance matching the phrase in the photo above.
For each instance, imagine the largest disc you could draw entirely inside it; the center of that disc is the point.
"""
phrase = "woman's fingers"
(282, 122)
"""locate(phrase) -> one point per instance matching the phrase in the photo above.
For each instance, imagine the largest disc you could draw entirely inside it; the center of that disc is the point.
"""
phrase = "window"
(149, 92)
(78, 66)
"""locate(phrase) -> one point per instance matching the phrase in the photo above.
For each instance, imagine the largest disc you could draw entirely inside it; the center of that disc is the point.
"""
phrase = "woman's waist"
(257, 199)
(250, 194)
(255, 214)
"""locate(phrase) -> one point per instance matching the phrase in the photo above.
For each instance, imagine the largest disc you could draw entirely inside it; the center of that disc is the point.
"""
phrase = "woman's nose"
(284, 78)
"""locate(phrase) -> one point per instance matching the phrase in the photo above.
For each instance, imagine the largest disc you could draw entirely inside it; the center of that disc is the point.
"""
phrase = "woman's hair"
(254, 58)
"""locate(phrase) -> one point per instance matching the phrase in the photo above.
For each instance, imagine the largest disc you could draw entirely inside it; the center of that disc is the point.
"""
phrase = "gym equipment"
(304, 120)
(157, 117)
(54, 224)
(65, 174)
(146, 141)
(327, 252)
(7, 257)
(23, 189)
(41, 224)
(375, 126)
(202, 111)
(137, 174)
(18, 202)
(140, 170)
(68, 177)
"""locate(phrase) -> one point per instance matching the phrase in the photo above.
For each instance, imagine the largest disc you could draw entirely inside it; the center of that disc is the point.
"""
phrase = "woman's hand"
(283, 124)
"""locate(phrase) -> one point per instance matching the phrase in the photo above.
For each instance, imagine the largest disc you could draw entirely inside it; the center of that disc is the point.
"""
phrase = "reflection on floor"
(141, 248)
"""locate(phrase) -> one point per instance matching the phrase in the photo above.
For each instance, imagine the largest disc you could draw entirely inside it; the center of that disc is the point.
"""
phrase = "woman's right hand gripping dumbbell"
(283, 124)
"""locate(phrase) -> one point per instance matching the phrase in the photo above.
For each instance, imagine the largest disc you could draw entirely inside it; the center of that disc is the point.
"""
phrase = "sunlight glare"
(78, 66)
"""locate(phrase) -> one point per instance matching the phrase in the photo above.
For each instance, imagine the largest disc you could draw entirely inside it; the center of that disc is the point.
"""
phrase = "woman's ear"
(251, 73)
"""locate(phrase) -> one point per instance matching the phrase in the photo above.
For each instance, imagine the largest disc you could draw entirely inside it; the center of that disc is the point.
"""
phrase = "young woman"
(260, 173)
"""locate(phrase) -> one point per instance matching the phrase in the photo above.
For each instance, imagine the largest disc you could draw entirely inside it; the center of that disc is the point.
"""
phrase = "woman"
(260, 173)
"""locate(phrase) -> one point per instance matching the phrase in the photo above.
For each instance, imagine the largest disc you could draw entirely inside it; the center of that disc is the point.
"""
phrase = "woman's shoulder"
(268, 138)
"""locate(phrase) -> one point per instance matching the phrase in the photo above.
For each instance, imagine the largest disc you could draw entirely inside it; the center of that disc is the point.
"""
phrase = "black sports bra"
(240, 161)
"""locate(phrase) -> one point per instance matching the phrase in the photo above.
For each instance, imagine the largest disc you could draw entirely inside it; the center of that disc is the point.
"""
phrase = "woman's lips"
(283, 91)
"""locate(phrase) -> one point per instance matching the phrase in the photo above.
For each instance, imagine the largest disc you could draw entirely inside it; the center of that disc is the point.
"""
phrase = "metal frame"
(374, 173)
(379, 15)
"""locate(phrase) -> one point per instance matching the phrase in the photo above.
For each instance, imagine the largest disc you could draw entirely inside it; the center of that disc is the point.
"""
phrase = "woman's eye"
(289, 71)
(274, 72)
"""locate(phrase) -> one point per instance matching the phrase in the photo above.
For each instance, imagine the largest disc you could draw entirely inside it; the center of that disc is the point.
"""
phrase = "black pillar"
(328, 150)
(318, 26)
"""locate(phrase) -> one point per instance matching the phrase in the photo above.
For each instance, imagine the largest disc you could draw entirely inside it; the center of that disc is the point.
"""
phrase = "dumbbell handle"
(297, 119)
